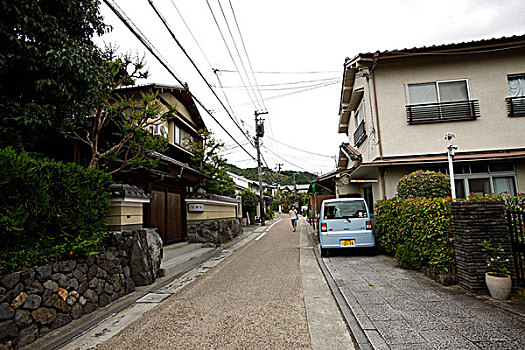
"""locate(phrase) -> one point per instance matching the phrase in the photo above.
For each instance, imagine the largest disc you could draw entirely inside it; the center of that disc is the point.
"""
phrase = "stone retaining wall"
(35, 301)
(472, 223)
(216, 231)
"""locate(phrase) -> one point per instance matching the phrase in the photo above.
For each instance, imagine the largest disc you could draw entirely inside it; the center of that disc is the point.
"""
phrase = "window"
(517, 85)
(439, 91)
(440, 101)
(516, 101)
(484, 178)
(359, 133)
(343, 210)
(176, 137)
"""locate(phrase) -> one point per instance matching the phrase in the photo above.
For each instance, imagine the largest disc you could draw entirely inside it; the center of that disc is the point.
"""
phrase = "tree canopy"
(211, 163)
(50, 69)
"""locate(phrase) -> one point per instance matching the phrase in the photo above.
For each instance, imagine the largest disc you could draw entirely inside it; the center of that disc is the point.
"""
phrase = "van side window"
(343, 210)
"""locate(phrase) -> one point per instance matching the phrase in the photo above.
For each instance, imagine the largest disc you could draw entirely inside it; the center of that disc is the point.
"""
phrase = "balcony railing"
(516, 106)
(442, 112)
(359, 133)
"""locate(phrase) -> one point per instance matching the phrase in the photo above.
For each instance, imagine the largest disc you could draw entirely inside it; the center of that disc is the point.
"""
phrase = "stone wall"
(213, 231)
(471, 224)
(35, 301)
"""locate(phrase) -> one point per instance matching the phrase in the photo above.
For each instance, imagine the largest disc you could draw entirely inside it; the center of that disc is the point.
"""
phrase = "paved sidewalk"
(400, 309)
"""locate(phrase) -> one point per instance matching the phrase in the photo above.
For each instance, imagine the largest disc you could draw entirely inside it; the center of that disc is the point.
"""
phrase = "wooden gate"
(516, 221)
(166, 215)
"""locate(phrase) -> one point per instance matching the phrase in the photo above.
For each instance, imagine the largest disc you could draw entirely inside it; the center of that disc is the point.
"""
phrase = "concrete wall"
(213, 209)
(125, 212)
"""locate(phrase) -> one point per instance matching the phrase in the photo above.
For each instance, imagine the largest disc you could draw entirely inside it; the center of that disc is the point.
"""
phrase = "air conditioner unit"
(160, 130)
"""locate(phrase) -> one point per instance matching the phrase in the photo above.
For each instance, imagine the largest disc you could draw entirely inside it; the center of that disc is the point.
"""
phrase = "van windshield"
(343, 210)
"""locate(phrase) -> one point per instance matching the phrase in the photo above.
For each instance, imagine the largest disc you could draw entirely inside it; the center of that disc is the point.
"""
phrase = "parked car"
(345, 223)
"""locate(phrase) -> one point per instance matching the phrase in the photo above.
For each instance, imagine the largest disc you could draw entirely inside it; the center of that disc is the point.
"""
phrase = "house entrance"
(166, 215)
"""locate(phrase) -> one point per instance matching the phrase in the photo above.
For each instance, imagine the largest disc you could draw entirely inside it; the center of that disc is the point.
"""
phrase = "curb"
(361, 339)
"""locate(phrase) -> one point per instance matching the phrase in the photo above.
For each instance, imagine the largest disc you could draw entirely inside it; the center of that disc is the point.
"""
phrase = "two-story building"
(397, 106)
(174, 178)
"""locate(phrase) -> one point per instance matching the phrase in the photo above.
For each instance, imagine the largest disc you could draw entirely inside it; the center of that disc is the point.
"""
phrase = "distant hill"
(270, 176)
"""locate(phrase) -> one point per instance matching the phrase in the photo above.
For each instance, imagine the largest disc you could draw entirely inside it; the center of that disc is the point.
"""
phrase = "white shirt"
(293, 214)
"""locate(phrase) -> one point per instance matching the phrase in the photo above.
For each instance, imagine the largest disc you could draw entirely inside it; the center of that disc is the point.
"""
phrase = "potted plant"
(497, 278)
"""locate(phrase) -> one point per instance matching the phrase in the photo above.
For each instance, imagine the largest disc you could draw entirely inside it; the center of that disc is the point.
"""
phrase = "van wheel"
(324, 252)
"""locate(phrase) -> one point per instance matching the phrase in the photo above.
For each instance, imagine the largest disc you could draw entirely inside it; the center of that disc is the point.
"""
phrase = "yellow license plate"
(347, 243)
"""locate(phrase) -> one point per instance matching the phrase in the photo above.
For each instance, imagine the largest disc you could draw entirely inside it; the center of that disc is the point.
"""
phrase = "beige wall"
(180, 107)
(369, 148)
(487, 81)
(126, 211)
(213, 210)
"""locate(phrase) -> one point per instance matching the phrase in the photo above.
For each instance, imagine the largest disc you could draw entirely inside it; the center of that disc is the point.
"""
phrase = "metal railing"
(516, 106)
(442, 112)
(359, 133)
(516, 223)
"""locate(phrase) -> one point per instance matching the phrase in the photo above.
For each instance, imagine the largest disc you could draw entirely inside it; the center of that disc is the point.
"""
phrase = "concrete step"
(177, 258)
(181, 248)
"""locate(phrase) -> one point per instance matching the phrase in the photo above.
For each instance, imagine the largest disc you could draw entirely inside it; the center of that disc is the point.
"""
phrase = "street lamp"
(451, 152)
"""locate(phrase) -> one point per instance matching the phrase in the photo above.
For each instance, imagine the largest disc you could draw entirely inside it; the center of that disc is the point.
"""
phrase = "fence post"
(471, 224)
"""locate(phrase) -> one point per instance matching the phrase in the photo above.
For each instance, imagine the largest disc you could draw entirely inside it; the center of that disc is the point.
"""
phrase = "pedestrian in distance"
(293, 217)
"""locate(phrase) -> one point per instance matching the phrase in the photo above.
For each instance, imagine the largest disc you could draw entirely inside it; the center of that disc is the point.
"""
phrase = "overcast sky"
(299, 47)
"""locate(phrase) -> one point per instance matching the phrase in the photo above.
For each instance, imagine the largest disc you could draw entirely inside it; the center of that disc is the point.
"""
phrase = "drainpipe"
(372, 75)
(378, 128)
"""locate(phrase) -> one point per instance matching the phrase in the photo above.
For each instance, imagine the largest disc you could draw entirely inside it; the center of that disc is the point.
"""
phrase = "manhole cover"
(153, 298)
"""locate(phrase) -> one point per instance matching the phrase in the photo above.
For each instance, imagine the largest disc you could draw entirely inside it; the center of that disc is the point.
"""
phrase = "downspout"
(372, 75)
(381, 170)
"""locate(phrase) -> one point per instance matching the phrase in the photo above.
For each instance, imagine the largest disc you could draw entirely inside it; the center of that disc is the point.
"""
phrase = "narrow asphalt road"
(252, 300)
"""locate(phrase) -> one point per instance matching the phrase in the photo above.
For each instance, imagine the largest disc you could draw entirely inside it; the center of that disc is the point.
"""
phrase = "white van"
(345, 223)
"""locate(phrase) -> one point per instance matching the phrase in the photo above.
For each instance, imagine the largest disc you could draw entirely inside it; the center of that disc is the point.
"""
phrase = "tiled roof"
(519, 40)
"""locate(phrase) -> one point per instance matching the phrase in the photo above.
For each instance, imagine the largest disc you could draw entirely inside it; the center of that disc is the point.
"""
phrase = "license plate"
(347, 243)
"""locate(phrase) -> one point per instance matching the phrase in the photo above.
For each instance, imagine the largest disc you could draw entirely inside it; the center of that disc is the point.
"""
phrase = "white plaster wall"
(487, 80)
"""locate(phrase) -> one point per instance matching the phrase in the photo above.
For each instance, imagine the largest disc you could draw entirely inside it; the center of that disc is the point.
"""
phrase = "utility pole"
(259, 132)
(295, 191)
(279, 185)
(451, 152)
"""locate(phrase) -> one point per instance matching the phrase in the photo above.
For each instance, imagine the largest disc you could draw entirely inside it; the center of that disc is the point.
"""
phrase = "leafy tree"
(250, 201)
(50, 69)
(211, 163)
(117, 132)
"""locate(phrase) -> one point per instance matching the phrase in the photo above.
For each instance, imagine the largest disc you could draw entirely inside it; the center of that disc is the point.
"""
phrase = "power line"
(229, 52)
(282, 72)
(286, 160)
(294, 87)
(191, 33)
(207, 60)
(135, 31)
(191, 60)
(293, 93)
(280, 84)
(246, 52)
(297, 149)
(238, 53)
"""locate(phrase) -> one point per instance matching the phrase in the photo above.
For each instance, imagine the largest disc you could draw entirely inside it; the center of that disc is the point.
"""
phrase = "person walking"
(293, 217)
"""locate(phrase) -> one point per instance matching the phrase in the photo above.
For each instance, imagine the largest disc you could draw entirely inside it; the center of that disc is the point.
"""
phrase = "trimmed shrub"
(49, 210)
(419, 225)
(427, 184)
(408, 257)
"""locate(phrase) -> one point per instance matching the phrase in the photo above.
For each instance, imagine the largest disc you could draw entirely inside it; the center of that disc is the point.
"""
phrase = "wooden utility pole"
(279, 186)
(259, 132)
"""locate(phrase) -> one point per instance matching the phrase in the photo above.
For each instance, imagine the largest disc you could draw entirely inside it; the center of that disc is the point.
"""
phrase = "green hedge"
(428, 184)
(49, 210)
(417, 231)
